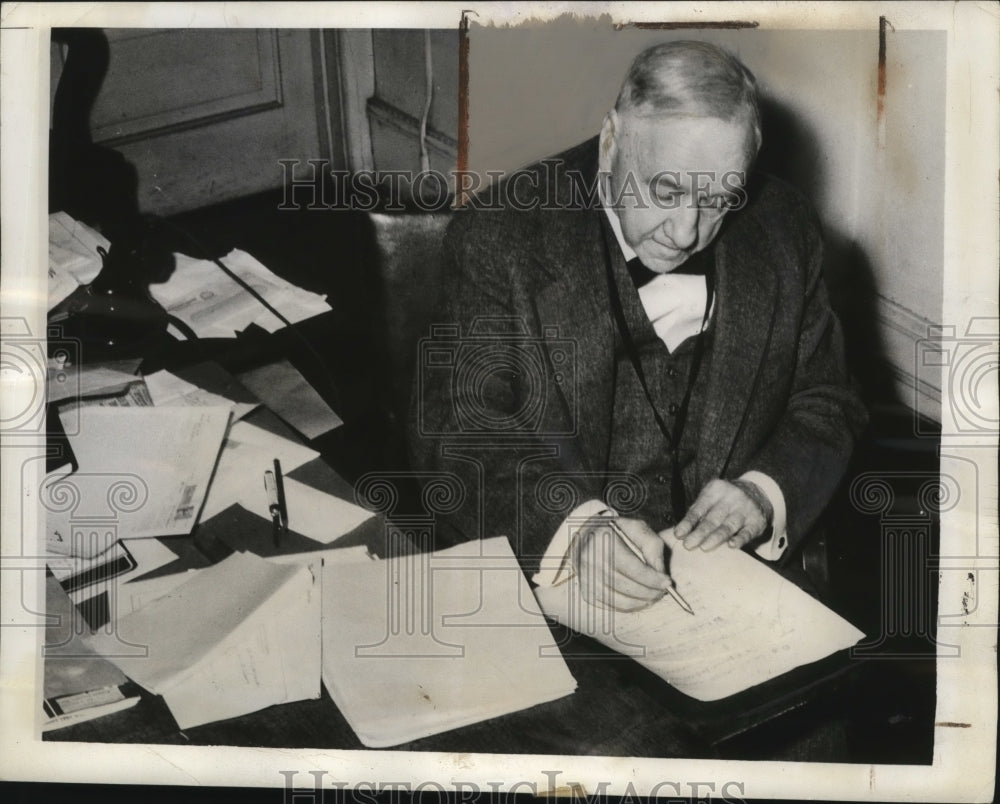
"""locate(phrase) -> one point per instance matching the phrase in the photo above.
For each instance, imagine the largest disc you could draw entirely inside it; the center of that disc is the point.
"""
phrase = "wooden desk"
(618, 709)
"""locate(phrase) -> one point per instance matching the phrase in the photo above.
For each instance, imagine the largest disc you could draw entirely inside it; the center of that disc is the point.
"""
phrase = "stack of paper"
(215, 306)
(749, 623)
(142, 472)
(236, 637)
(417, 645)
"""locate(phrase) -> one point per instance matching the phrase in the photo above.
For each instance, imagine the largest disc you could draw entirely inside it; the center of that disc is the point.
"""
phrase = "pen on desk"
(273, 504)
(671, 590)
(279, 480)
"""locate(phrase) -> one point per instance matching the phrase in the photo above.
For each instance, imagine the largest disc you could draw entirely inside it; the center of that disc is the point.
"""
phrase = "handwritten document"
(749, 625)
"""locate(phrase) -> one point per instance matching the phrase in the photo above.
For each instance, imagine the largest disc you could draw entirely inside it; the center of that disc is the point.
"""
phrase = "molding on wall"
(357, 84)
(387, 114)
(907, 338)
(264, 92)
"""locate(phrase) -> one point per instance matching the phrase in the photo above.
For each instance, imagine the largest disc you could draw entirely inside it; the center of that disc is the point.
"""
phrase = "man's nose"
(682, 226)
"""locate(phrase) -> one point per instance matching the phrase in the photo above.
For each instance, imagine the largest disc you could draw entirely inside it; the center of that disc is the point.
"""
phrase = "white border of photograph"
(964, 757)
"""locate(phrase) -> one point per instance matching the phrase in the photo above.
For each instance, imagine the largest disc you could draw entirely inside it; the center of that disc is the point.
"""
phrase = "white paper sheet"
(338, 555)
(238, 636)
(142, 472)
(288, 394)
(168, 389)
(312, 513)
(149, 555)
(73, 257)
(216, 306)
(749, 625)
(134, 595)
(479, 658)
(247, 453)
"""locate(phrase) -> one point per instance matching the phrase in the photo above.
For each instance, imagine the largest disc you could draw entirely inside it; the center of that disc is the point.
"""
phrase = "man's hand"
(610, 573)
(735, 512)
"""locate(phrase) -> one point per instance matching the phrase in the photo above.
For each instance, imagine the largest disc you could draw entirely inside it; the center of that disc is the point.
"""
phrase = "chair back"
(408, 251)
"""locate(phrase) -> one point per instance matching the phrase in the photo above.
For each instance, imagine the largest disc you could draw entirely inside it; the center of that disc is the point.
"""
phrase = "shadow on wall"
(791, 152)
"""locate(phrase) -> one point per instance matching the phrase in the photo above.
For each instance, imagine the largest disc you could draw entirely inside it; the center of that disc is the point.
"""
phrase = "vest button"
(672, 409)
(671, 372)
(661, 479)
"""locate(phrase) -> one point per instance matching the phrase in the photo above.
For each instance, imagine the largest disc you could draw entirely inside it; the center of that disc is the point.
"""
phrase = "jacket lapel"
(746, 284)
(575, 297)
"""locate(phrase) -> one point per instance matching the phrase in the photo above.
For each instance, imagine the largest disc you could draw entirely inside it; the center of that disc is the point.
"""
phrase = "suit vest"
(637, 445)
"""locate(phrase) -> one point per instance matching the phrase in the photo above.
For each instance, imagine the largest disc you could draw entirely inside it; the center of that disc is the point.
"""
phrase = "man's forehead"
(686, 144)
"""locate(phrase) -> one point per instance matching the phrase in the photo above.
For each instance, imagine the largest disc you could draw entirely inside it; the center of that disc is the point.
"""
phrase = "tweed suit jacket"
(778, 397)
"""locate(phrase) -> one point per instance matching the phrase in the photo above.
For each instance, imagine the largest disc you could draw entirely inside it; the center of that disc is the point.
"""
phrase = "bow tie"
(696, 264)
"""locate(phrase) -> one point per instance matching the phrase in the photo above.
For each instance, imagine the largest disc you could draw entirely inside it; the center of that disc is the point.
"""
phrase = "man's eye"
(669, 196)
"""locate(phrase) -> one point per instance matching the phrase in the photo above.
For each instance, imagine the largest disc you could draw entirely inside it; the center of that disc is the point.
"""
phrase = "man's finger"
(647, 540)
(623, 585)
(721, 534)
(709, 497)
(611, 574)
(610, 599)
(690, 519)
(741, 539)
(629, 566)
(707, 524)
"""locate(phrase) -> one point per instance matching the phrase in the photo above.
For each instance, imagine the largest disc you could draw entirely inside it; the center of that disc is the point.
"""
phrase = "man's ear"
(608, 131)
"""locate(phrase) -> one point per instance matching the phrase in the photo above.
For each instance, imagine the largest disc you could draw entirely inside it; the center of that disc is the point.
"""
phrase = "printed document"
(143, 471)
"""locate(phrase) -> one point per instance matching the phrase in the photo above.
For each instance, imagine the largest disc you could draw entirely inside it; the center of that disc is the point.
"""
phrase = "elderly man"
(641, 313)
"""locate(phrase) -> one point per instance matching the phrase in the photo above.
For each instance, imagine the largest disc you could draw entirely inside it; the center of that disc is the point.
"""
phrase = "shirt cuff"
(775, 547)
(555, 561)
